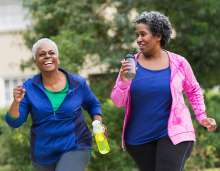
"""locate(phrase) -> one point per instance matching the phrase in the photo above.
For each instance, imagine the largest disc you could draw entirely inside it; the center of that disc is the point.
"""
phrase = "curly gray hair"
(42, 41)
(158, 24)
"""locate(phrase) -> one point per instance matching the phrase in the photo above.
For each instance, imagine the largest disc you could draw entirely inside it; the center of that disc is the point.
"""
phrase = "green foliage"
(101, 82)
(15, 145)
(2, 123)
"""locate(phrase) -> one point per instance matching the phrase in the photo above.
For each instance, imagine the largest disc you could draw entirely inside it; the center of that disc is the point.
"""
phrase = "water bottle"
(102, 143)
(131, 72)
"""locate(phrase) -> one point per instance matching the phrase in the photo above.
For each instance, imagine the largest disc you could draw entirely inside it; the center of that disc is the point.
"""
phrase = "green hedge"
(15, 147)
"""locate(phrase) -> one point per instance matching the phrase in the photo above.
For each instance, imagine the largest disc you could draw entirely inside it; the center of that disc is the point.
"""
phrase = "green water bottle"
(102, 143)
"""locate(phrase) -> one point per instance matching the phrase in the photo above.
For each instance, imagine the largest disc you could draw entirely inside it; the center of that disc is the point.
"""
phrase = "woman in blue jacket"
(60, 139)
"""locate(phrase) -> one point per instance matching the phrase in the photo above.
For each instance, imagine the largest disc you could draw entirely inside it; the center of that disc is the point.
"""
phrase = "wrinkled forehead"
(46, 47)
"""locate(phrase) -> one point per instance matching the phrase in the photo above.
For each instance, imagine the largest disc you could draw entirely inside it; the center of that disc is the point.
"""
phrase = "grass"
(4, 168)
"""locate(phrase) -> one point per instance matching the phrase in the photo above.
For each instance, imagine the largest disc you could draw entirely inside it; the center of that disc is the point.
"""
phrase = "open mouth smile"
(141, 46)
(48, 63)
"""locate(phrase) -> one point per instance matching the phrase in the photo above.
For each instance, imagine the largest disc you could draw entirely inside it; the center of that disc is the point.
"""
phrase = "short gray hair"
(40, 42)
(158, 24)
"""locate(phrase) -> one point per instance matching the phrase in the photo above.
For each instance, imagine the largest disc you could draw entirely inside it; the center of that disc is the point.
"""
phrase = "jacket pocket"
(180, 120)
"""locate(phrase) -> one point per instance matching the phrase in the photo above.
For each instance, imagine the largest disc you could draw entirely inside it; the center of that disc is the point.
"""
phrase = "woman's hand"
(18, 93)
(99, 118)
(209, 123)
(125, 66)
(124, 69)
(105, 133)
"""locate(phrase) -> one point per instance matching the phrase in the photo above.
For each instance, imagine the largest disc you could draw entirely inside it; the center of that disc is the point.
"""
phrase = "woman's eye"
(41, 54)
(52, 53)
(143, 34)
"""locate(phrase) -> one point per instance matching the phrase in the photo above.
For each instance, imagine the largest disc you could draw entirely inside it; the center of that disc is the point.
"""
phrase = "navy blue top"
(55, 133)
(150, 106)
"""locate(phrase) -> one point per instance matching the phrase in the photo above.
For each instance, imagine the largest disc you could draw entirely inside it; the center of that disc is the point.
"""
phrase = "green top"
(57, 97)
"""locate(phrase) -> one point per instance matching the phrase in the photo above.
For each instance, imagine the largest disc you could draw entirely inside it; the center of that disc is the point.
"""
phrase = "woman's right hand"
(124, 69)
(18, 93)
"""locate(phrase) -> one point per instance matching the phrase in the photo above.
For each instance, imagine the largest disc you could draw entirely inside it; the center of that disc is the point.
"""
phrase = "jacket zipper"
(172, 97)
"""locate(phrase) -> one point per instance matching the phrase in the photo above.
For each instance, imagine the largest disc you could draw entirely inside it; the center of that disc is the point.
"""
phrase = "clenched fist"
(18, 93)
(210, 124)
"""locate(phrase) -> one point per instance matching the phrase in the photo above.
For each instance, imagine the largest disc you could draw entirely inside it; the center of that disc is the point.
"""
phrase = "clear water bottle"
(102, 143)
(131, 72)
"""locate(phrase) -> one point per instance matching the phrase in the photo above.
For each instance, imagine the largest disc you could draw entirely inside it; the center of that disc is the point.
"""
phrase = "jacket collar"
(74, 83)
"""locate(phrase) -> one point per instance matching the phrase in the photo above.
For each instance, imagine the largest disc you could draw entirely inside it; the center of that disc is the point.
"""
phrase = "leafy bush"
(16, 145)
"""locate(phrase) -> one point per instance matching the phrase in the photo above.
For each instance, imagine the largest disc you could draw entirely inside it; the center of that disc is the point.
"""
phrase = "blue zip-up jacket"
(55, 133)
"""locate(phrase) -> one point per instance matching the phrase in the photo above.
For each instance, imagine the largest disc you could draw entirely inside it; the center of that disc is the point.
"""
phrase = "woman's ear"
(159, 37)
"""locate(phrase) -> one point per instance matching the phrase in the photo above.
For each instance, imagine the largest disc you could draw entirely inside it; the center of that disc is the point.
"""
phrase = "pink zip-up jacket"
(180, 127)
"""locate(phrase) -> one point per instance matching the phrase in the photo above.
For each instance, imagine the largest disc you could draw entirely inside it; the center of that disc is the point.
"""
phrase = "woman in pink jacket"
(158, 131)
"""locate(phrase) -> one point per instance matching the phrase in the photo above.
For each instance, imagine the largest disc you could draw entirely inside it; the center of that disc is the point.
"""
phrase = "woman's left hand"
(210, 124)
(105, 133)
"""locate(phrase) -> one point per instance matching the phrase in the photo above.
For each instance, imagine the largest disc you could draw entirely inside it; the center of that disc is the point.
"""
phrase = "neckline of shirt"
(153, 70)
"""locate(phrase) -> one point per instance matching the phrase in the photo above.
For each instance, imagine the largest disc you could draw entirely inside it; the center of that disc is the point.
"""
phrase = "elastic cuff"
(122, 84)
(11, 116)
(96, 110)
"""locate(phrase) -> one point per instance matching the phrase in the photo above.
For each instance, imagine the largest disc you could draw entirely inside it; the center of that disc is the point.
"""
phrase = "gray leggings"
(76, 160)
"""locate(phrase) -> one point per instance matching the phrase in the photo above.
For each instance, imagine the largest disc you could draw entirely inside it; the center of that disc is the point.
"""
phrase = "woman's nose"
(139, 39)
(47, 55)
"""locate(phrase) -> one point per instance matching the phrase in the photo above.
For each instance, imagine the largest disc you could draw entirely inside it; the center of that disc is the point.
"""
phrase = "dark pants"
(160, 155)
(76, 160)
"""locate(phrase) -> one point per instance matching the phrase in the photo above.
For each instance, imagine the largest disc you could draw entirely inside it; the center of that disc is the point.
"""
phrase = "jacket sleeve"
(120, 92)
(193, 92)
(23, 113)
(90, 103)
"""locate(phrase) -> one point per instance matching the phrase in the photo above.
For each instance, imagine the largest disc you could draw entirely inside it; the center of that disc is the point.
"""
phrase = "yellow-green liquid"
(102, 143)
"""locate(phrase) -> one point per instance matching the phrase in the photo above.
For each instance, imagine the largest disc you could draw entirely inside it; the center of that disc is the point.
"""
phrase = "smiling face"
(148, 43)
(46, 58)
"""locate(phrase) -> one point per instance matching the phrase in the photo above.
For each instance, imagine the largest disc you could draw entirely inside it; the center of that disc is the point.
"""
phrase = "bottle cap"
(95, 123)
(130, 55)
(97, 128)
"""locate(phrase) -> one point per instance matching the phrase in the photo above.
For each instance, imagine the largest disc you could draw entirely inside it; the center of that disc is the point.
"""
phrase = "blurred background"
(92, 38)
